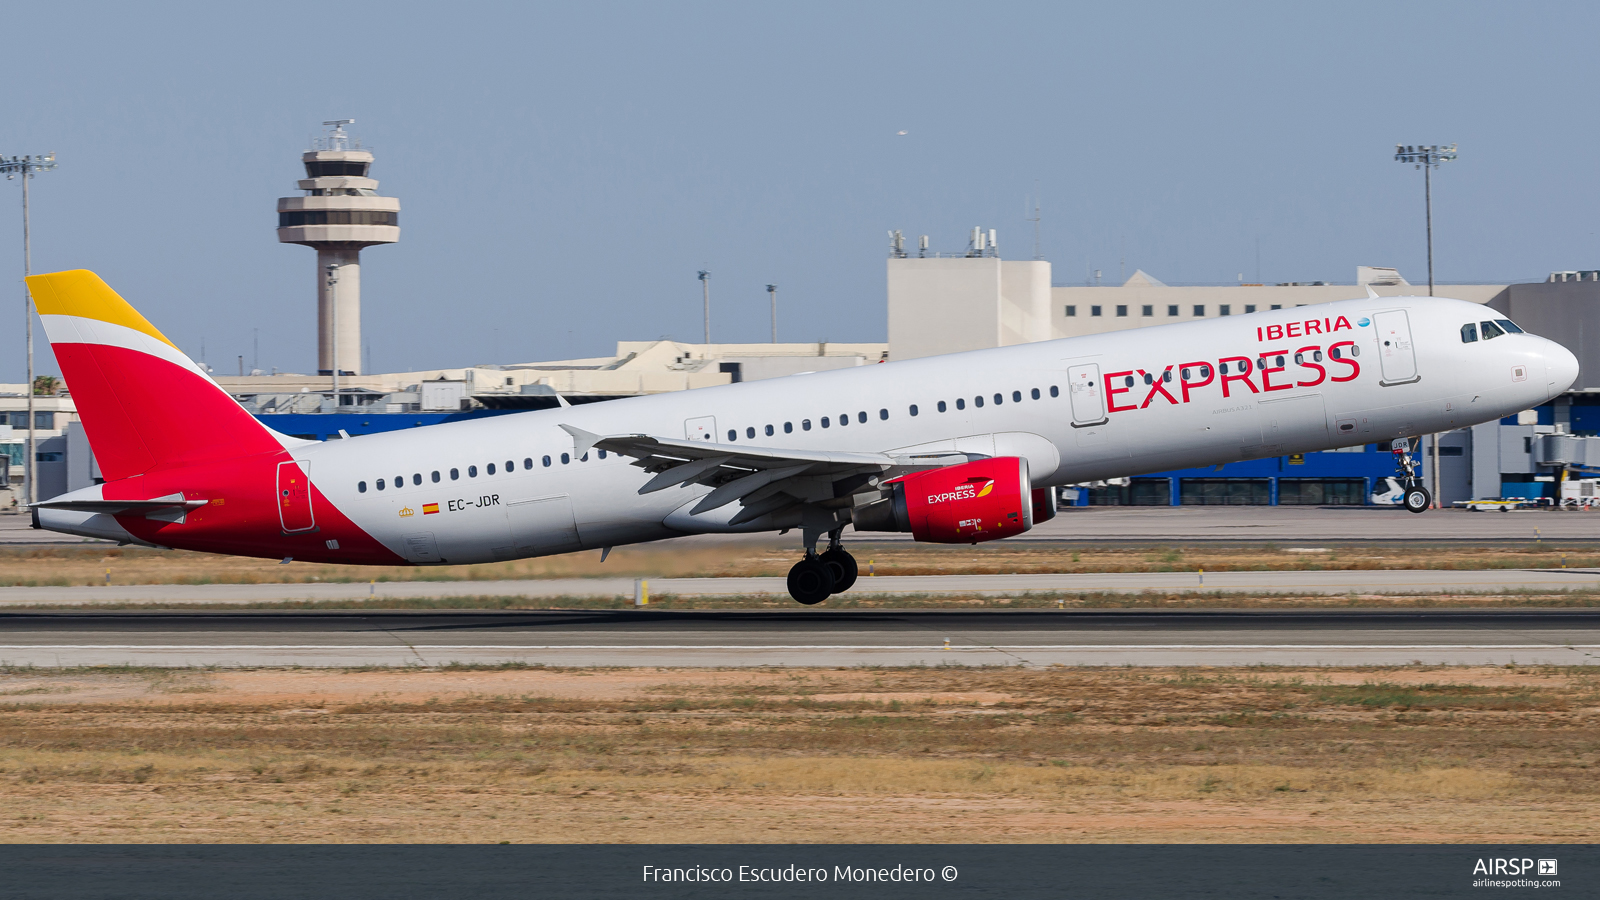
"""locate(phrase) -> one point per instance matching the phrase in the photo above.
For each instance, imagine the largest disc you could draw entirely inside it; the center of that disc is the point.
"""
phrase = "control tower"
(340, 213)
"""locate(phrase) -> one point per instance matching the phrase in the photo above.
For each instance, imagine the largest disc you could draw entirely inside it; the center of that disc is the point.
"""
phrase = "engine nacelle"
(1044, 504)
(977, 501)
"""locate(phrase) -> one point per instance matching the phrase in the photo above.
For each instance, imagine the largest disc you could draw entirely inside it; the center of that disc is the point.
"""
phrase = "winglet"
(582, 440)
(1371, 294)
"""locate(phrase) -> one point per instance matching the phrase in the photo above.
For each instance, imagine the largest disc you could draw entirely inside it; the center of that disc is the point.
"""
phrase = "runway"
(1360, 581)
(811, 637)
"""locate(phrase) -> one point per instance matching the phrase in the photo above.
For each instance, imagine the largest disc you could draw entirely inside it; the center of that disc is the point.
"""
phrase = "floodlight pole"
(705, 288)
(333, 301)
(772, 294)
(26, 166)
(1427, 158)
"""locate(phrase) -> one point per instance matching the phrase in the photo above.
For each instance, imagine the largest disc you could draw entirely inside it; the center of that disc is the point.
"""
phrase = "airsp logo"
(1502, 866)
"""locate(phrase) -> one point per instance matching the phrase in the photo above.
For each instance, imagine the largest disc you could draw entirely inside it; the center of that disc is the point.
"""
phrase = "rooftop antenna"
(1034, 220)
(338, 138)
(705, 288)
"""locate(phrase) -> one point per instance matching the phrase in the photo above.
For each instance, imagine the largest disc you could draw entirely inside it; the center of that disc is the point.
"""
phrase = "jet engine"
(977, 501)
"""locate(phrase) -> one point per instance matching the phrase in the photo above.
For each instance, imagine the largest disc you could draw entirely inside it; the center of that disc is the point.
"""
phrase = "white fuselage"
(1087, 422)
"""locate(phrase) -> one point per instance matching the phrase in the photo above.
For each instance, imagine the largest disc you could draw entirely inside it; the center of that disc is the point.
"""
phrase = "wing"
(763, 480)
(171, 508)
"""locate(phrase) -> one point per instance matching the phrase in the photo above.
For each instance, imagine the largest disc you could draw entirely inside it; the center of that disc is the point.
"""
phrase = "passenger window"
(527, 463)
(488, 469)
(1299, 359)
(1333, 352)
(1490, 330)
(913, 409)
(978, 401)
(999, 399)
(565, 459)
(1167, 376)
(824, 421)
(1469, 333)
(769, 431)
(1279, 362)
(435, 476)
(1127, 381)
(510, 467)
(1148, 378)
(1509, 326)
(883, 414)
(1055, 391)
(399, 482)
(380, 484)
(942, 407)
(416, 478)
(602, 454)
(546, 461)
(732, 435)
(750, 433)
(960, 403)
(1244, 366)
(788, 428)
(844, 420)
(361, 487)
(1016, 396)
(1205, 371)
(805, 424)
(472, 471)
(1316, 356)
(1184, 374)
(1034, 393)
(455, 474)
(583, 458)
(862, 417)
(1223, 368)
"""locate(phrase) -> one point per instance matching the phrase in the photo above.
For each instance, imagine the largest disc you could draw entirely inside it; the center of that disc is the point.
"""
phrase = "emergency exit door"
(294, 498)
(1084, 390)
(1396, 355)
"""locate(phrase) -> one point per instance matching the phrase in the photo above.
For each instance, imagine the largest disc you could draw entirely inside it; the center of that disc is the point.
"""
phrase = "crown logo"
(406, 511)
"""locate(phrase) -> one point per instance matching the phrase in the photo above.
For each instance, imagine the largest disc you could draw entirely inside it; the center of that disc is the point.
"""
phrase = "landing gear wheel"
(1418, 500)
(843, 566)
(811, 581)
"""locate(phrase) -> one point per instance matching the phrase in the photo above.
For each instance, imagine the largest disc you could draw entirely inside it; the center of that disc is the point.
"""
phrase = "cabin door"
(294, 498)
(1395, 352)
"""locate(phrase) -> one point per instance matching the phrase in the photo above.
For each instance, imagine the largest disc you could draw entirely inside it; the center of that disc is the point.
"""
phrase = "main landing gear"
(1416, 497)
(821, 575)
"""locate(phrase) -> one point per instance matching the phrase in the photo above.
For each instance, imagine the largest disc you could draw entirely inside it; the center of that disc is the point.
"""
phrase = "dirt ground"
(1411, 754)
(132, 565)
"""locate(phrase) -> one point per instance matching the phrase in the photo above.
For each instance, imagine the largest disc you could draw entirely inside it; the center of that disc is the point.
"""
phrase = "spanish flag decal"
(429, 509)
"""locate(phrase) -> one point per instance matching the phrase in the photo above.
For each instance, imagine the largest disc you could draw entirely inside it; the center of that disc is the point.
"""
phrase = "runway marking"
(426, 647)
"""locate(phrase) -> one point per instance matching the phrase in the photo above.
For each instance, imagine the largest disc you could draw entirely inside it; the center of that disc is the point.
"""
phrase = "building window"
(1094, 310)
(1224, 310)
(1147, 310)
(1122, 310)
(1249, 307)
(1172, 309)
(1072, 310)
(41, 420)
(1199, 309)
(1276, 306)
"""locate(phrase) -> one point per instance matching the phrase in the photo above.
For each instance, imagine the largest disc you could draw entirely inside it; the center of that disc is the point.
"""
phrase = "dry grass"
(918, 755)
(64, 566)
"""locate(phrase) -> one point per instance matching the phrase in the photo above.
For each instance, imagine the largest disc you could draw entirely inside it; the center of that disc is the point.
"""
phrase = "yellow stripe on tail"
(80, 292)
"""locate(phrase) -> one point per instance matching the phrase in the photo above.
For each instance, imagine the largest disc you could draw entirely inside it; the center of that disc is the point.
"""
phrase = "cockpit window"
(1508, 325)
(1469, 332)
(1490, 330)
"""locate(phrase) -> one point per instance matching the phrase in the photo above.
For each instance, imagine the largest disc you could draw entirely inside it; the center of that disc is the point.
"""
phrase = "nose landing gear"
(818, 576)
(1416, 497)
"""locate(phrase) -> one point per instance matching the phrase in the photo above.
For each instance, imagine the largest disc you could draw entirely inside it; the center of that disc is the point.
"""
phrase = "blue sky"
(565, 169)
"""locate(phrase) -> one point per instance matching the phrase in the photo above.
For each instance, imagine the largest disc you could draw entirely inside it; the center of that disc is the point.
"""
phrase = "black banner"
(1093, 872)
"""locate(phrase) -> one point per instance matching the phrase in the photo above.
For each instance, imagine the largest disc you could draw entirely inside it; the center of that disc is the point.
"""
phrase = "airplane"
(962, 448)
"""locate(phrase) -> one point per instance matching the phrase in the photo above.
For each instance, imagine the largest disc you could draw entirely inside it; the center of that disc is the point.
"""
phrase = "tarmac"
(805, 637)
(1334, 582)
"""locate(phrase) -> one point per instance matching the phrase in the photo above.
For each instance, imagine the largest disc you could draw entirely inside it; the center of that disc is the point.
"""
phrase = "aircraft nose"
(1562, 367)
